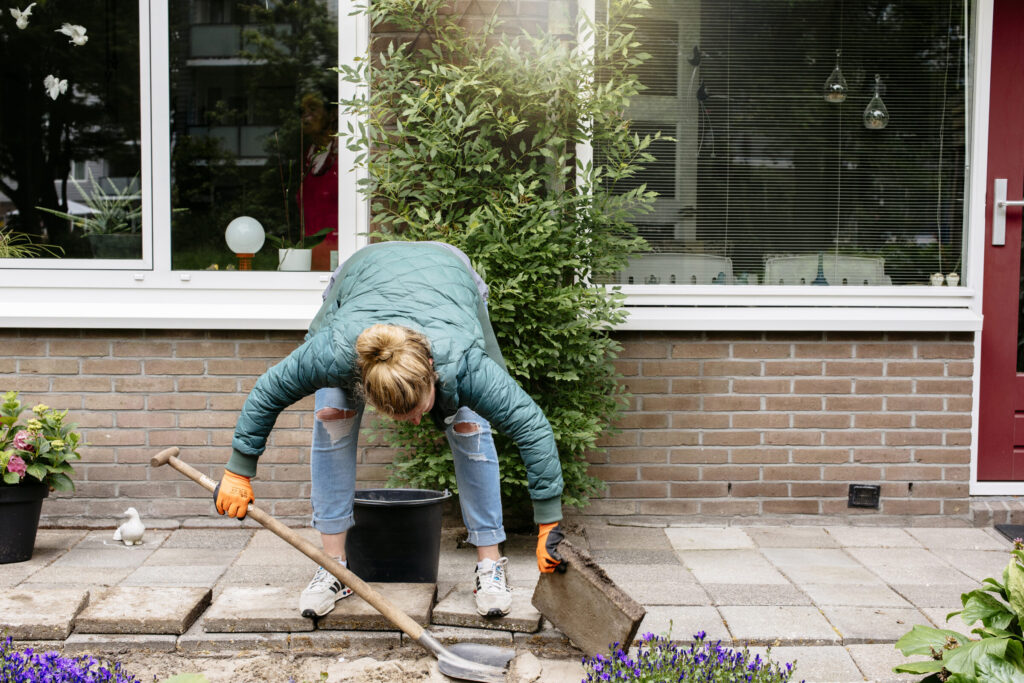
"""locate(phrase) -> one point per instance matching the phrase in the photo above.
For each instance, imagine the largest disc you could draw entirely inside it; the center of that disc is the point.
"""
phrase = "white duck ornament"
(130, 533)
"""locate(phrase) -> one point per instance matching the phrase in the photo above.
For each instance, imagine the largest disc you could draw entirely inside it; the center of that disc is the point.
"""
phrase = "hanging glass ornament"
(876, 116)
(835, 86)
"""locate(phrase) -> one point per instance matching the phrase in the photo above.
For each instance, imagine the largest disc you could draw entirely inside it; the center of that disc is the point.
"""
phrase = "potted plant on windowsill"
(35, 458)
(113, 221)
(296, 254)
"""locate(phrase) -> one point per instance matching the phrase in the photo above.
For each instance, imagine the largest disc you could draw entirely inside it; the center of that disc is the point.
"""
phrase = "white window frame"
(147, 294)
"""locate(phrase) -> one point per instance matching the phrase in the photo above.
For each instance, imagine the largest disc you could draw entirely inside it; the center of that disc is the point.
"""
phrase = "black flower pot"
(19, 519)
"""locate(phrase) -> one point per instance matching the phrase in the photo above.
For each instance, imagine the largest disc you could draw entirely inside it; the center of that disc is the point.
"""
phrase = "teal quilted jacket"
(424, 287)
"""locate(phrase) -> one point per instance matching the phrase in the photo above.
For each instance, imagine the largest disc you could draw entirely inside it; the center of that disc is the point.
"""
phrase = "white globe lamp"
(245, 236)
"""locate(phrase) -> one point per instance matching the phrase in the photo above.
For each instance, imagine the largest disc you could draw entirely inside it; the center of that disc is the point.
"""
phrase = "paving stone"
(17, 572)
(784, 625)
(197, 641)
(708, 538)
(87, 643)
(635, 557)
(943, 539)
(680, 624)
(873, 624)
(268, 540)
(354, 614)
(755, 594)
(191, 556)
(626, 538)
(269, 575)
(113, 554)
(170, 575)
(213, 539)
(665, 592)
(875, 594)
(909, 565)
(99, 540)
(548, 641)
(623, 574)
(348, 643)
(449, 635)
(937, 615)
(142, 610)
(39, 614)
(791, 537)
(877, 661)
(936, 595)
(76, 577)
(818, 565)
(256, 609)
(731, 566)
(982, 564)
(872, 537)
(458, 608)
(561, 671)
(58, 539)
(815, 663)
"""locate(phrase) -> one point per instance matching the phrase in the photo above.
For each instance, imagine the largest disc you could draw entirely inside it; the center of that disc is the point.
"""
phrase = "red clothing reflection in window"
(319, 200)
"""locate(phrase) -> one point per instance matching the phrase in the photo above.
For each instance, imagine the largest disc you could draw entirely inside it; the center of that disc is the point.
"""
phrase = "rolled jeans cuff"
(486, 537)
(334, 526)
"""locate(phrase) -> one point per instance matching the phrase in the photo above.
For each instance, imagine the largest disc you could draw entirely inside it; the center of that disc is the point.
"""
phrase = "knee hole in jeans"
(467, 427)
(326, 414)
(337, 421)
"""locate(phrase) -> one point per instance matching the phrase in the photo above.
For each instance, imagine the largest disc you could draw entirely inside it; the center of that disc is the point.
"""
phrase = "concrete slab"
(41, 615)
(937, 616)
(782, 625)
(626, 538)
(256, 609)
(458, 608)
(268, 575)
(909, 566)
(708, 538)
(635, 557)
(17, 572)
(197, 641)
(191, 556)
(791, 537)
(92, 554)
(872, 537)
(935, 595)
(981, 564)
(87, 643)
(681, 623)
(354, 614)
(875, 594)
(873, 624)
(631, 573)
(731, 566)
(664, 592)
(816, 664)
(143, 610)
(755, 594)
(818, 565)
(213, 539)
(560, 671)
(76, 577)
(449, 635)
(958, 539)
(170, 575)
(877, 661)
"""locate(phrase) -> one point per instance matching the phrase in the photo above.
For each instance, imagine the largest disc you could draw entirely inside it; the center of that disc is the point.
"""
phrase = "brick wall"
(721, 425)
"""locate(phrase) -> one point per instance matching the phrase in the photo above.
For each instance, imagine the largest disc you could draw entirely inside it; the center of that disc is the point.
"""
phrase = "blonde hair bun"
(396, 368)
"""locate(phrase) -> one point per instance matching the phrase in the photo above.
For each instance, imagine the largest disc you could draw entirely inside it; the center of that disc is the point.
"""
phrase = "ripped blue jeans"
(333, 464)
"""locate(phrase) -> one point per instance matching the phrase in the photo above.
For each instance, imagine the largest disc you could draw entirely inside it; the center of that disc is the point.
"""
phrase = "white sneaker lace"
(498, 579)
(322, 579)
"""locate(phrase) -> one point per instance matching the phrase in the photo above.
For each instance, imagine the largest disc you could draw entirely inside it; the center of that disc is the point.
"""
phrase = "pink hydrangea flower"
(23, 441)
(16, 465)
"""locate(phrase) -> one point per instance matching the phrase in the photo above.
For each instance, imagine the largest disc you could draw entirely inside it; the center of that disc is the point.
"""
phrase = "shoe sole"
(313, 614)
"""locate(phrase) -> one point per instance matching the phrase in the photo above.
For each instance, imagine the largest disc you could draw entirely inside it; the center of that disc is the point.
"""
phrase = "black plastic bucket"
(20, 506)
(397, 536)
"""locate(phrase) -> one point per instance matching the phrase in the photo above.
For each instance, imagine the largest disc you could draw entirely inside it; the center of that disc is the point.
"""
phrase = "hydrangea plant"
(39, 449)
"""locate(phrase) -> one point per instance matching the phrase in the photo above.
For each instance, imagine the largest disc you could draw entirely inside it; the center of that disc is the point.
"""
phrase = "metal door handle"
(999, 212)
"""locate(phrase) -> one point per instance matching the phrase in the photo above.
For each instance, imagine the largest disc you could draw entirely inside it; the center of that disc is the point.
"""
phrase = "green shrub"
(472, 141)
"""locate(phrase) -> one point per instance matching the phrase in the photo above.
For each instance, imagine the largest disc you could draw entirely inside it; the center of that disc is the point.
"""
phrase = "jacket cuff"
(547, 510)
(242, 464)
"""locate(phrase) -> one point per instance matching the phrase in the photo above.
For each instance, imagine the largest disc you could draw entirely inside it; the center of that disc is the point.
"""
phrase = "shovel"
(465, 661)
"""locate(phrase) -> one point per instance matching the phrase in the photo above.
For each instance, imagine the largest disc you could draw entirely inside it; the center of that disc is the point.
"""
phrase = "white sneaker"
(320, 595)
(493, 595)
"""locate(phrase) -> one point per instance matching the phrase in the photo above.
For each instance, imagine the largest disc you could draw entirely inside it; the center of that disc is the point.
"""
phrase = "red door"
(1001, 420)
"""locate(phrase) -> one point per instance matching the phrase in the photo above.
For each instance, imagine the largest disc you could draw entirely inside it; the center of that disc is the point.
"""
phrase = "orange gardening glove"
(233, 495)
(548, 559)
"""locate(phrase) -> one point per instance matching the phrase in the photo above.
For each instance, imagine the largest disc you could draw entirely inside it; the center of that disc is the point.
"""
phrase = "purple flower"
(23, 440)
(16, 465)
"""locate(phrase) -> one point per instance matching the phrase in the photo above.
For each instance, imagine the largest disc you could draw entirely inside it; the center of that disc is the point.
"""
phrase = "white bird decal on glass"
(55, 86)
(21, 15)
(75, 32)
(130, 533)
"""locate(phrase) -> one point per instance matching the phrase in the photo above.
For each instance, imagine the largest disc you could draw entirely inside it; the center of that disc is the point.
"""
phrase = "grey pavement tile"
(107, 643)
(58, 539)
(943, 539)
(935, 595)
(347, 643)
(937, 616)
(104, 538)
(93, 552)
(731, 566)
(458, 608)
(267, 575)
(908, 565)
(213, 539)
(266, 539)
(875, 594)
(449, 635)
(40, 615)
(256, 609)
(171, 575)
(791, 537)
(191, 556)
(877, 661)
(708, 538)
(981, 564)
(818, 565)
(354, 614)
(76, 577)
(561, 671)
(16, 572)
(196, 641)
(626, 538)
(665, 593)
(639, 557)
(682, 623)
(815, 663)
(143, 610)
(872, 537)
(627, 574)
(782, 625)
(755, 594)
(873, 624)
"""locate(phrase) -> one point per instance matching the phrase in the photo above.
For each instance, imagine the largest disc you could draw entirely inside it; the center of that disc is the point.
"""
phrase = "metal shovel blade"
(469, 661)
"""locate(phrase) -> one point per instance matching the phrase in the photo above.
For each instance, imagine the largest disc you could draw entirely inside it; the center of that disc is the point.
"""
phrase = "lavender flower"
(50, 667)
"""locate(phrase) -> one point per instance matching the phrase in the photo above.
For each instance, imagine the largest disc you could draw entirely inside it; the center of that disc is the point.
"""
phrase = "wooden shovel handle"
(358, 586)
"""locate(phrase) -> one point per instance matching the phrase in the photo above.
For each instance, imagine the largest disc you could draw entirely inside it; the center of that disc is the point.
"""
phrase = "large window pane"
(770, 182)
(69, 130)
(252, 124)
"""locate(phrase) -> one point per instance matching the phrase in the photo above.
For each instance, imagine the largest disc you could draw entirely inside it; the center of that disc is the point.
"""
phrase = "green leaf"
(36, 470)
(1015, 587)
(61, 482)
(11, 478)
(924, 640)
(925, 666)
(964, 659)
(983, 607)
(994, 670)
